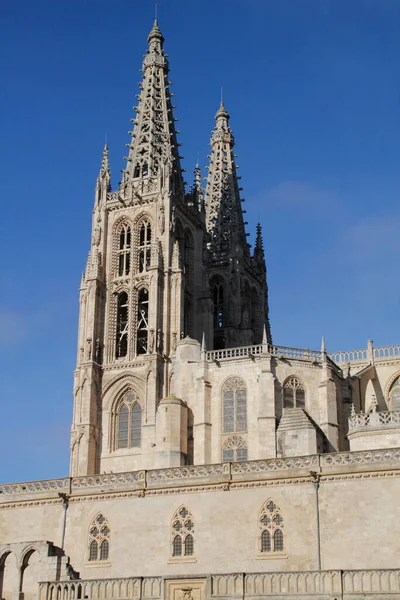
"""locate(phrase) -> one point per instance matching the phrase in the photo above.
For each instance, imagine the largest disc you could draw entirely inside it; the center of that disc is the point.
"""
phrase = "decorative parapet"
(199, 475)
(367, 355)
(363, 457)
(129, 587)
(321, 585)
(130, 480)
(303, 583)
(276, 351)
(389, 419)
(36, 487)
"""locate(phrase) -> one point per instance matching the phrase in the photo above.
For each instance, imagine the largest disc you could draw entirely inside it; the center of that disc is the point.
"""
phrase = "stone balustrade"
(332, 585)
(366, 355)
(217, 474)
(257, 350)
(374, 420)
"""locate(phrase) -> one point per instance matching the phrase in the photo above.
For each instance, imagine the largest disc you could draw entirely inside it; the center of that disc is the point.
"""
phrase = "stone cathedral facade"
(206, 461)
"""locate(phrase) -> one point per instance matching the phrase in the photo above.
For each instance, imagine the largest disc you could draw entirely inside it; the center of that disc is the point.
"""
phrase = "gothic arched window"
(124, 250)
(234, 397)
(142, 327)
(394, 395)
(294, 393)
(182, 533)
(270, 523)
(122, 325)
(129, 422)
(218, 300)
(99, 539)
(188, 259)
(234, 449)
(144, 246)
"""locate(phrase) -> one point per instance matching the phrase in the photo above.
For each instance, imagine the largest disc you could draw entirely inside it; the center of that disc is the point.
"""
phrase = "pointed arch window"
(121, 349)
(218, 299)
(142, 329)
(129, 422)
(144, 246)
(234, 449)
(394, 395)
(99, 539)
(182, 534)
(124, 251)
(294, 393)
(234, 394)
(271, 527)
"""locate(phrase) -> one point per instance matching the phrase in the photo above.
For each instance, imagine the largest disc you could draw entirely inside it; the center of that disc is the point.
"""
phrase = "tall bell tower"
(237, 280)
(157, 256)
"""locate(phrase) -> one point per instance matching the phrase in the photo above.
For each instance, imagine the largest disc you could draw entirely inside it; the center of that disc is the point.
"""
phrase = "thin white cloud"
(297, 194)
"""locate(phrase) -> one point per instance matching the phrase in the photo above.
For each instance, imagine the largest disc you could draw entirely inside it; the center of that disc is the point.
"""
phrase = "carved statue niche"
(151, 340)
(161, 219)
(97, 236)
(89, 348)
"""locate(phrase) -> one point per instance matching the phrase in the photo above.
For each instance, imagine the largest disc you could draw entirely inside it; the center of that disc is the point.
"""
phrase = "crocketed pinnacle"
(153, 150)
(259, 248)
(105, 173)
(224, 217)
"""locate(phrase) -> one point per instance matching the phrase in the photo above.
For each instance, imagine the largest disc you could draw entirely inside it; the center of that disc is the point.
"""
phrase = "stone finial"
(222, 112)
(374, 403)
(155, 33)
(353, 410)
(265, 341)
(203, 347)
(370, 350)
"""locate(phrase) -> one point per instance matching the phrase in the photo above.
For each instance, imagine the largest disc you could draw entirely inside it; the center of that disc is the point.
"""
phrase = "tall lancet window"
(144, 246)
(124, 252)
(218, 298)
(142, 322)
(129, 422)
(188, 269)
(121, 349)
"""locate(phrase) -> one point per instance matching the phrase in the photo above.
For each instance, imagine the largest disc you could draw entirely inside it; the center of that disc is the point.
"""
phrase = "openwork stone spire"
(224, 217)
(153, 150)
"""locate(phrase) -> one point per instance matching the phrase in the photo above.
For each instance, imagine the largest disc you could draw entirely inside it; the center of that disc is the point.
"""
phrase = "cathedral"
(206, 462)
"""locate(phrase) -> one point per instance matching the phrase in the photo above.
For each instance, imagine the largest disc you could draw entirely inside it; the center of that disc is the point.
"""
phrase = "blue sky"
(313, 90)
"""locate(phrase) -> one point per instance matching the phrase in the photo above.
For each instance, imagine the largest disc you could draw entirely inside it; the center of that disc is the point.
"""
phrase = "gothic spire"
(224, 217)
(154, 148)
(105, 173)
(259, 248)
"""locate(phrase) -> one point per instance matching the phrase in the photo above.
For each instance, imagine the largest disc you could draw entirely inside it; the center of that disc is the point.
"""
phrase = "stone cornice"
(226, 476)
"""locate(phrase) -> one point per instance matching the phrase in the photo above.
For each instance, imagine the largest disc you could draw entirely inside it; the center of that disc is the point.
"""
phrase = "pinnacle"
(155, 33)
(222, 112)
(105, 164)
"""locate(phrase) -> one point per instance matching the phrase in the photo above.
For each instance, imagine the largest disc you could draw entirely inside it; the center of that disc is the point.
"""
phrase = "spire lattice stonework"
(224, 217)
(154, 147)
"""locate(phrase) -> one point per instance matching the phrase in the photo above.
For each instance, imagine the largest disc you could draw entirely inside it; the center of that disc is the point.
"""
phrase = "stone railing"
(374, 420)
(129, 587)
(36, 487)
(277, 351)
(367, 355)
(243, 351)
(220, 473)
(301, 353)
(363, 457)
(333, 584)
